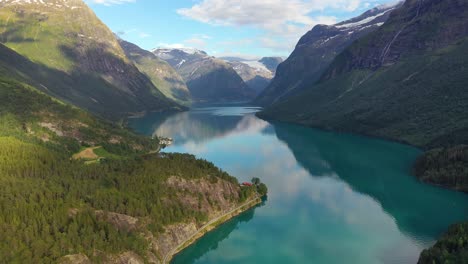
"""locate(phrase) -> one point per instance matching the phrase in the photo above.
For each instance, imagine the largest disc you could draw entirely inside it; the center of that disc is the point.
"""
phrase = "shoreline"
(273, 120)
(210, 226)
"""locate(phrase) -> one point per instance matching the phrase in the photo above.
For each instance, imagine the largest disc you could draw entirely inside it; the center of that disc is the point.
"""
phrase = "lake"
(333, 198)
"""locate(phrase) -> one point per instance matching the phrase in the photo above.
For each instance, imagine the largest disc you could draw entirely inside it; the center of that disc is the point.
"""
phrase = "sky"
(244, 28)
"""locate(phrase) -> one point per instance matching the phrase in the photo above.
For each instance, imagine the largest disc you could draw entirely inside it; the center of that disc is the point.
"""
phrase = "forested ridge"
(48, 201)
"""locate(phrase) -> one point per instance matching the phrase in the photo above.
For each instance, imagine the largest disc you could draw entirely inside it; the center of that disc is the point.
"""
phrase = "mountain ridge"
(257, 74)
(208, 79)
(316, 50)
(411, 88)
(159, 72)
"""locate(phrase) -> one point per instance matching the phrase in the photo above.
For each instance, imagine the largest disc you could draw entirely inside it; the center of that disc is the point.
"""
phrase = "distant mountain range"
(208, 79)
(159, 72)
(256, 74)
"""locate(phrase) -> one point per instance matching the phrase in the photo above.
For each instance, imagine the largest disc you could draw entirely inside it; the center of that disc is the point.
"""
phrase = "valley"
(234, 135)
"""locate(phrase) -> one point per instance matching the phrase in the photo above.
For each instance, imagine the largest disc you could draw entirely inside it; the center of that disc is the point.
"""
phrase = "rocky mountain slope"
(163, 76)
(65, 38)
(271, 63)
(406, 81)
(316, 50)
(208, 79)
(256, 74)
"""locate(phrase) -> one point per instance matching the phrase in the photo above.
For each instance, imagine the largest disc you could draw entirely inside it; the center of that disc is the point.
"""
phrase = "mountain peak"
(375, 16)
(190, 51)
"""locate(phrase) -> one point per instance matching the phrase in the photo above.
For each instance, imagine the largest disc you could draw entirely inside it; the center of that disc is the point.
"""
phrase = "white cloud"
(197, 41)
(171, 45)
(144, 35)
(282, 21)
(110, 2)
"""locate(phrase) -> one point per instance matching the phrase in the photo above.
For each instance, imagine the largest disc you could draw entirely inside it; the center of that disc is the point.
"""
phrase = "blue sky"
(247, 28)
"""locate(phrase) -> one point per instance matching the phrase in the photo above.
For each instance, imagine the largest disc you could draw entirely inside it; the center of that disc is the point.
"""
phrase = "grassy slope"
(81, 57)
(40, 186)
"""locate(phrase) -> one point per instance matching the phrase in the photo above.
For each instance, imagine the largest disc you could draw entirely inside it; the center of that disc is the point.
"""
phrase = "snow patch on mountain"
(364, 21)
(190, 51)
(48, 3)
(256, 65)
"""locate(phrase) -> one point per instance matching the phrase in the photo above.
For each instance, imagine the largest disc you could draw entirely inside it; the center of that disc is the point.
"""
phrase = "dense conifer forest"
(48, 200)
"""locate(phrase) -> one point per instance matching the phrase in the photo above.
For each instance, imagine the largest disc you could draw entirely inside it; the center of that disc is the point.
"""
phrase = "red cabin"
(247, 184)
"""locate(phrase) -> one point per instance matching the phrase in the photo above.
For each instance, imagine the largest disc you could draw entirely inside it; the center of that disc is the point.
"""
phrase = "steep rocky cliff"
(316, 50)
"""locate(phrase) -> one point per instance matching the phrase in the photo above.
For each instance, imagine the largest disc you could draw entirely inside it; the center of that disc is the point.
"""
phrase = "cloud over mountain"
(282, 21)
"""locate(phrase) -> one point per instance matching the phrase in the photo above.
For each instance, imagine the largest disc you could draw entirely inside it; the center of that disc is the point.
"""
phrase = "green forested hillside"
(49, 202)
(451, 248)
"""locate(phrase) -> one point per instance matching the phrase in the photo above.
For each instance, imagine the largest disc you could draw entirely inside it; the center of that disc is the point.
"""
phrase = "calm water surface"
(333, 198)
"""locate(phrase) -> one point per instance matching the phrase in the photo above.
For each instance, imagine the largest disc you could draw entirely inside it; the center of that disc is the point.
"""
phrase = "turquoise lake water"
(333, 198)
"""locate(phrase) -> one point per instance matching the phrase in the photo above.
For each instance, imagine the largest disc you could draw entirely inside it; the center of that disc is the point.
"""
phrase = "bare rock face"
(207, 196)
(126, 258)
(120, 221)
(214, 203)
(75, 259)
(172, 237)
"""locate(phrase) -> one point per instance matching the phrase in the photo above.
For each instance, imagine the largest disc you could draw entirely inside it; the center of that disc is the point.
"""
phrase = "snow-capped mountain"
(256, 73)
(208, 78)
(317, 49)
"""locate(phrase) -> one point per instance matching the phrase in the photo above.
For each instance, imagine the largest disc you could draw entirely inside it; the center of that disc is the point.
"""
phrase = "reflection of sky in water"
(312, 215)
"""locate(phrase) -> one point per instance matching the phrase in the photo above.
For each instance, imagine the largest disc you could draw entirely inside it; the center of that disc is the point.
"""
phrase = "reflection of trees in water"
(374, 167)
(212, 240)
